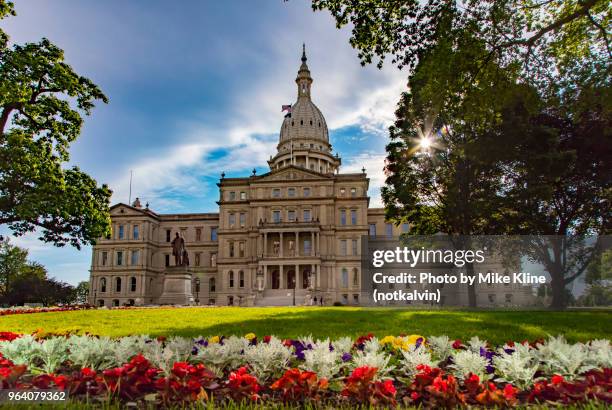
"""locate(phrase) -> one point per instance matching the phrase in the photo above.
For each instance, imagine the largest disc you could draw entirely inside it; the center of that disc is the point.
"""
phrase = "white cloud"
(374, 164)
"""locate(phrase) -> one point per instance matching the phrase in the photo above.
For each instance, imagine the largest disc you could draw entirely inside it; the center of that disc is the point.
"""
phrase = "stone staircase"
(281, 297)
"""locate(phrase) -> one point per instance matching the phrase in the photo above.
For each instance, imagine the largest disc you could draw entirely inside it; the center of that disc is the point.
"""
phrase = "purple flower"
(194, 351)
(347, 357)
(331, 348)
(487, 354)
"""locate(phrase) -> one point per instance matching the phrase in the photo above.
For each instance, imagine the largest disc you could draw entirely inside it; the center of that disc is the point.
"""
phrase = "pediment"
(122, 209)
(292, 173)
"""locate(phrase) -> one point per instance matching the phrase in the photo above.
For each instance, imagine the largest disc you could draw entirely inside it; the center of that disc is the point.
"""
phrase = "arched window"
(344, 278)
(211, 284)
(133, 284)
(103, 285)
(241, 279)
(355, 277)
(231, 279)
(117, 284)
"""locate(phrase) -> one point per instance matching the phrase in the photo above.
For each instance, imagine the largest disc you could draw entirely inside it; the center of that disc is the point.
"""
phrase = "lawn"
(495, 326)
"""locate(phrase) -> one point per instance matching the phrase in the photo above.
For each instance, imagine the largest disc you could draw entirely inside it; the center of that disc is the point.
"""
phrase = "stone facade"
(289, 236)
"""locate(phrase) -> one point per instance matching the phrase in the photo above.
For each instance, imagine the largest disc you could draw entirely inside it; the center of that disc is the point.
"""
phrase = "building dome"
(305, 122)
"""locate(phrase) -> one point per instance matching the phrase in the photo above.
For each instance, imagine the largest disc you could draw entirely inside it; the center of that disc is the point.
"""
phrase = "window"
(104, 258)
(307, 247)
(198, 234)
(353, 217)
(197, 287)
(242, 219)
(213, 234)
(116, 302)
(167, 260)
(101, 303)
(241, 249)
(291, 192)
(344, 278)
(356, 299)
(372, 230)
(232, 196)
(119, 258)
(213, 260)
(404, 227)
(343, 247)
(243, 196)
(231, 279)
(389, 230)
(491, 298)
(121, 232)
(354, 246)
(230, 301)
(291, 215)
(353, 192)
(241, 279)
(211, 302)
(355, 277)
(342, 191)
(508, 298)
(117, 284)
(232, 220)
(103, 285)
(231, 249)
(135, 232)
(135, 256)
(197, 259)
(345, 299)
(306, 192)
(211, 284)
(132, 284)
(306, 215)
(343, 217)
(276, 216)
(168, 235)
(276, 193)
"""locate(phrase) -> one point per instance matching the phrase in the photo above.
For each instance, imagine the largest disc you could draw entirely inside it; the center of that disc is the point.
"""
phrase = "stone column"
(281, 245)
(297, 243)
(296, 276)
(281, 276)
(265, 245)
(265, 278)
(312, 244)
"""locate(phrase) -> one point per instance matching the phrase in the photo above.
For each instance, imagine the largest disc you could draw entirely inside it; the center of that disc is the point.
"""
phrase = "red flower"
(266, 339)
(243, 385)
(361, 387)
(510, 392)
(556, 379)
(457, 344)
(297, 385)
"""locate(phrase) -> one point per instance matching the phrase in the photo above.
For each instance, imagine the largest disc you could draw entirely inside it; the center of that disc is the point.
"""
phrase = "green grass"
(495, 326)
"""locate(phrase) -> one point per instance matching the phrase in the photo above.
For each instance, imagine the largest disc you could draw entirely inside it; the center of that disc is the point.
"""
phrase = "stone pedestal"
(177, 286)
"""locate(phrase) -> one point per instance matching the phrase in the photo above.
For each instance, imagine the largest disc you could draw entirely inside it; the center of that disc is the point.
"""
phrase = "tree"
(42, 101)
(13, 260)
(82, 292)
(509, 29)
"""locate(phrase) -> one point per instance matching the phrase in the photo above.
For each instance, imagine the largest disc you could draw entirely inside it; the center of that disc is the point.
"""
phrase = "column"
(297, 243)
(312, 279)
(265, 278)
(265, 245)
(307, 162)
(296, 276)
(312, 244)
(281, 245)
(281, 278)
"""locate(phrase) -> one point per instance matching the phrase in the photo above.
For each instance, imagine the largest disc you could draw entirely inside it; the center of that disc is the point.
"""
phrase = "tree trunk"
(558, 291)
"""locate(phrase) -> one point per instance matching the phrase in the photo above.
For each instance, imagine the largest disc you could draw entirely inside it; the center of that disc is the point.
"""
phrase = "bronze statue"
(185, 261)
(178, 248)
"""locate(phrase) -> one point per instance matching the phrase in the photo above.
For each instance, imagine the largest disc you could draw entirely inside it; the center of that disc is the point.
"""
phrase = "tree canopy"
(42, 103)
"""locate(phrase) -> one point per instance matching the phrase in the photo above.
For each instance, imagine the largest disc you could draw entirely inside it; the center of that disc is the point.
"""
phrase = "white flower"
(343, 345)
(441, 346)
(322, 361)
(559, 357)
(415, 356)
(518, 367)
(466, 362)
(267, 359)
(92, 352)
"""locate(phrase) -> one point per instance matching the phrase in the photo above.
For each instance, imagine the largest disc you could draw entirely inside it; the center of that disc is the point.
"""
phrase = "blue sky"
(196, 89)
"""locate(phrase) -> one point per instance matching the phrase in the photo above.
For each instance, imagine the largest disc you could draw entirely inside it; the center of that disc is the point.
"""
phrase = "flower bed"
(20, 310)
(407, 370)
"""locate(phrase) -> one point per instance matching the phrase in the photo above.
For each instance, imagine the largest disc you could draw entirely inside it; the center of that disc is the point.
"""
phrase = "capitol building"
(290, 236)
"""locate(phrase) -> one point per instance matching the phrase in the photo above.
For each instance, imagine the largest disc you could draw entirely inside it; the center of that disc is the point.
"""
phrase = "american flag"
(286, 108)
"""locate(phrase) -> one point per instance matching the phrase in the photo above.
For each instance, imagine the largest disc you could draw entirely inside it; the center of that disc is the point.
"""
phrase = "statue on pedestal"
(178, 250)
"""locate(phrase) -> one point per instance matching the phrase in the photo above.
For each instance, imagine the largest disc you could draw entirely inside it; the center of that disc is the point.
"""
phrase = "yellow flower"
(214, 339)
(250, 336)
(401, 343)
(412, 339)
(387, 340)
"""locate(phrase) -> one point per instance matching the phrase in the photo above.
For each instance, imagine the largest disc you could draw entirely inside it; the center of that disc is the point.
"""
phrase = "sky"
(196, 90)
